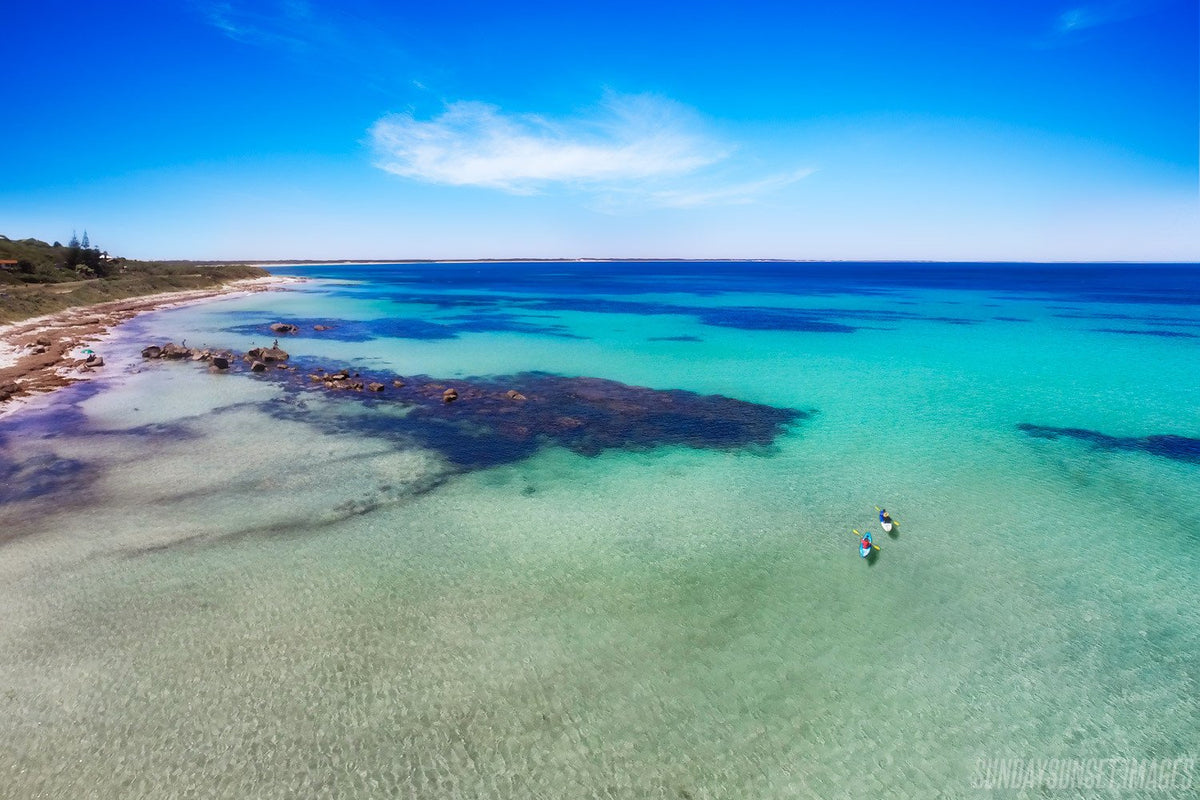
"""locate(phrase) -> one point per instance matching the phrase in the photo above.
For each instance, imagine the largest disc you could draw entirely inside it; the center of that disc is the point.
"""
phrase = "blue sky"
(367, 129)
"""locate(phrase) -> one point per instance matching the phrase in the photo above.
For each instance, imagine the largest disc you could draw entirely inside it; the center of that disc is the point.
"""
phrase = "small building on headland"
(8, 263)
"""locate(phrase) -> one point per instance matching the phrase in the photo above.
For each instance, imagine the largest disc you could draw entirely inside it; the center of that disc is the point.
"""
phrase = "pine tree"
(84, 244)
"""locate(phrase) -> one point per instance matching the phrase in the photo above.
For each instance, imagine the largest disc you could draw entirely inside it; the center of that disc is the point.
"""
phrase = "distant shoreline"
(266, 264)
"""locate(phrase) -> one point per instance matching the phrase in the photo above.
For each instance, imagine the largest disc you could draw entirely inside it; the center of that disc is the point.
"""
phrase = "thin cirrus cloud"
(1094, 15)
(640, 146)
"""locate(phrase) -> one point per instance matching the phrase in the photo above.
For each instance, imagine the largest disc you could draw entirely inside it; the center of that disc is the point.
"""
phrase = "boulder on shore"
(153, 351)
(220, 362)
(172, 350)
(258, 366)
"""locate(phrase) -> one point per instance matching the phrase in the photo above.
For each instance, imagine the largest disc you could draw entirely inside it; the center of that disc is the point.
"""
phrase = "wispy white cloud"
(1093, 15)
(640, 148)
(730, 194)
(286, 23)
(476, 144)
(329, 39)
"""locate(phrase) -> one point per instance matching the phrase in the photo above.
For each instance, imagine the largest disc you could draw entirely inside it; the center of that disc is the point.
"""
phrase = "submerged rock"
(284, 327)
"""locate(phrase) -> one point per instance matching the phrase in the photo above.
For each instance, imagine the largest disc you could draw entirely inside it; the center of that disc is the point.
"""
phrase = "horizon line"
(281, 262)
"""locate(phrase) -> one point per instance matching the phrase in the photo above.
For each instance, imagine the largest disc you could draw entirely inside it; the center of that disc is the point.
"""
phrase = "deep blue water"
(1166, 284)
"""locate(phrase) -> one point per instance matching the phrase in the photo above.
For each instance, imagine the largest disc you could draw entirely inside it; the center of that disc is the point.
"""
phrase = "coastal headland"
(44, 353)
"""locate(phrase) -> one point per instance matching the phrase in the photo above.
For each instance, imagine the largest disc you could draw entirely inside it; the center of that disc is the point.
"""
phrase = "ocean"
(640, 576)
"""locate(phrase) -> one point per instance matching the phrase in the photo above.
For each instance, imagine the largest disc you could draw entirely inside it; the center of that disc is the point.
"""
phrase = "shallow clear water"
(227, 586)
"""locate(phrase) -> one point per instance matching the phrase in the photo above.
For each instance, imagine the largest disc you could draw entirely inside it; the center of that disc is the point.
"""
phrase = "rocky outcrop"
(375, 387)
(450, 395)
(513, 394)
(153, 351)
(173, 351)
(284, 327)
(266, 354)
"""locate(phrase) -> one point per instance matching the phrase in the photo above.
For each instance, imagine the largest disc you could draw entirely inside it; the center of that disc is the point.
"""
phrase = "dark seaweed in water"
(485, 426)
(36, 476)
(1176, 448)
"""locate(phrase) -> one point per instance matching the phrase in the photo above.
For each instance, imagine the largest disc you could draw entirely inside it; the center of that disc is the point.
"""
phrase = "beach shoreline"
(42, 354)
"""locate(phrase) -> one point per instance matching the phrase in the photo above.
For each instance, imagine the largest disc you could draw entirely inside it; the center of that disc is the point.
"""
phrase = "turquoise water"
(231, 586)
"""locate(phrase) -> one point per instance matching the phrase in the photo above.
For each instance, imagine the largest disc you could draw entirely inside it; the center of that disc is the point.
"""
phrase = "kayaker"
(883, 515)
(866, 543)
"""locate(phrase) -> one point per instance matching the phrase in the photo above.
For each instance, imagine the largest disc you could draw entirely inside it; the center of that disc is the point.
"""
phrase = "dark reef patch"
(481, 422)
(508, 313)
(347, 330)
(1012, 319)
(1160, 334)
(1176, 448)
(499, 420)
(674, 339)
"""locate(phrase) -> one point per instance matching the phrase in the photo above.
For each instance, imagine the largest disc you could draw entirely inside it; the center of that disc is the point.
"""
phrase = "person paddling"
(883, 517)
(866, 543)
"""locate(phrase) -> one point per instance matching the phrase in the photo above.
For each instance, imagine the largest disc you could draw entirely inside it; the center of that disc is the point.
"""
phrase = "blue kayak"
(864, 545)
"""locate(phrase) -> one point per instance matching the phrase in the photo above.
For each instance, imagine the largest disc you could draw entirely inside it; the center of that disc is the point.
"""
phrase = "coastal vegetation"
(39, 278)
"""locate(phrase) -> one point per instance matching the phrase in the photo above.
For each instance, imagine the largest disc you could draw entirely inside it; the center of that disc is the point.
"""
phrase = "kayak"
(865, 551)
